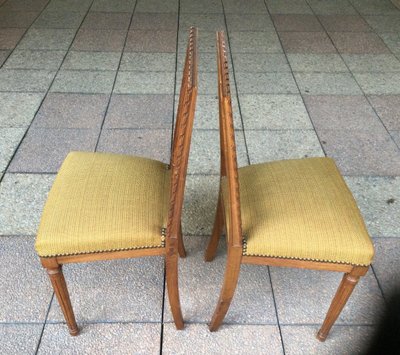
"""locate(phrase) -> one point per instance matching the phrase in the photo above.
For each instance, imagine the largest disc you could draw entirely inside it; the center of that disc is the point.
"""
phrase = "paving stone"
(203, 22)
(205, 149)
(107, 20)
(264, 146)
(43, 150)
(383, 24)
(157, 6)
(342, 113)
(327, 84)
(153, 144)
(24, 5)
(327, 7)
(153, 21)
(47, 38)
(18, 109)
(288, 7)
(297, 23)
(69, 5)
(25, 80)
(106, 291)
(199, 7)
(304, 296)
(253, 22)
(379, 83)
(206, 116)
(9, 37)
(386, 263)
(374, 7)
(249, 7)
(25, 298)
(146, 62)
(200, 203)
(344, 23)
(306, 42)
(274, 112)
(16, 19)
(10, 138)
(71, 111)
(230, 339)
(325, 63)
(372, 195)
(3, 56)
(21, 203)
(372, 62)
(361, 152)
(84, 81)
(200, 285)
(254, 42)
(260, 63)
(342, 340)
(113, 6)
(28, 59)
(358, 43)
(392, 41)
(266, 83)
(144, 83)
(123, 338)
(396, 137)
(59, 19)
(99, 40)
(151, 41)
(92, 60)
(140, 111)
(19, 338)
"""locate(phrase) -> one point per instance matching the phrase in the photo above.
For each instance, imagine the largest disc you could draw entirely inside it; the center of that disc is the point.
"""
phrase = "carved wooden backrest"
(229, 167)
(182, 136)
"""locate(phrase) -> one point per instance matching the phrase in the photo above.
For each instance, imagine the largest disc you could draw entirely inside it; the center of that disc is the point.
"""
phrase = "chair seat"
(301, 209)
(104, 202)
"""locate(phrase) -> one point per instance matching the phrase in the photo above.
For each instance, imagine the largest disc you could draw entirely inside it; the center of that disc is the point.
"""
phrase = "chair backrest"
(182, 135)
(229, 167)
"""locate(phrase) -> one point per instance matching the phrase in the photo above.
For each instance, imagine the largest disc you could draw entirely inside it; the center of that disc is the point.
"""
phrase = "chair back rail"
(182, 136)
(228, 146)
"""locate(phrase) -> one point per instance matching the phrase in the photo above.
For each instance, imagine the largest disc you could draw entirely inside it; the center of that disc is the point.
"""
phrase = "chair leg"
(61, 291)
(171, 267)
(211, 250)
(231, 278)
(181, 245)
(343, 293)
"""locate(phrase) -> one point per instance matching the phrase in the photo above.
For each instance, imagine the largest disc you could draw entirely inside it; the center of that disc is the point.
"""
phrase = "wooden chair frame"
(232, 223)
(173, 236)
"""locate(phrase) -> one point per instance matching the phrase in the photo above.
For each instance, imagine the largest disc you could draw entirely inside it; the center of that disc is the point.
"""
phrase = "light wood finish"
(232, 221)
(173, 234)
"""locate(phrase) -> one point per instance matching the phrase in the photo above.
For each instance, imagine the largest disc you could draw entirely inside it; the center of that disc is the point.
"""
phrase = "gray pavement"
(309, 78)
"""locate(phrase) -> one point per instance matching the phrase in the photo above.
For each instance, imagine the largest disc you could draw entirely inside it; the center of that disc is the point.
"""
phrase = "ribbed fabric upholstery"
(301, 209)
(104, 202)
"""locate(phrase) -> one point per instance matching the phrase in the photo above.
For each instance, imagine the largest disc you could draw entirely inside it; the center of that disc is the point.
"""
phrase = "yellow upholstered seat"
(104, 202)
(301, 209)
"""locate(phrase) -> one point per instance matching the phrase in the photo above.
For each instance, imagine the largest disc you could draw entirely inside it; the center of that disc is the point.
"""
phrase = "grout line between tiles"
(44, 324)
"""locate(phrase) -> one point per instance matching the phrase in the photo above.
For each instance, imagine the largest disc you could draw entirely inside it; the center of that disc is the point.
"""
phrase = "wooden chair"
(293, 213)
(109, 206)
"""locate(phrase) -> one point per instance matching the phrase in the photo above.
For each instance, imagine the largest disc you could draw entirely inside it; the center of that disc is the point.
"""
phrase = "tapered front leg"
(216, 233)
(343, 293)
(61, 291)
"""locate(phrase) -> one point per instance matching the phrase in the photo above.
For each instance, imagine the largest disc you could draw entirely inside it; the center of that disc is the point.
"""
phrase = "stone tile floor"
(311, 78)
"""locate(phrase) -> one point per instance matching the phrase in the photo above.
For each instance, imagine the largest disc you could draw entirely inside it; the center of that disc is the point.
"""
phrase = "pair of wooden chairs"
(293, 213)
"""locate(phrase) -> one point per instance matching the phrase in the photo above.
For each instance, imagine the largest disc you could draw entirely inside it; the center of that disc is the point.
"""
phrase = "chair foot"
(321, 337)
(74, 332)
